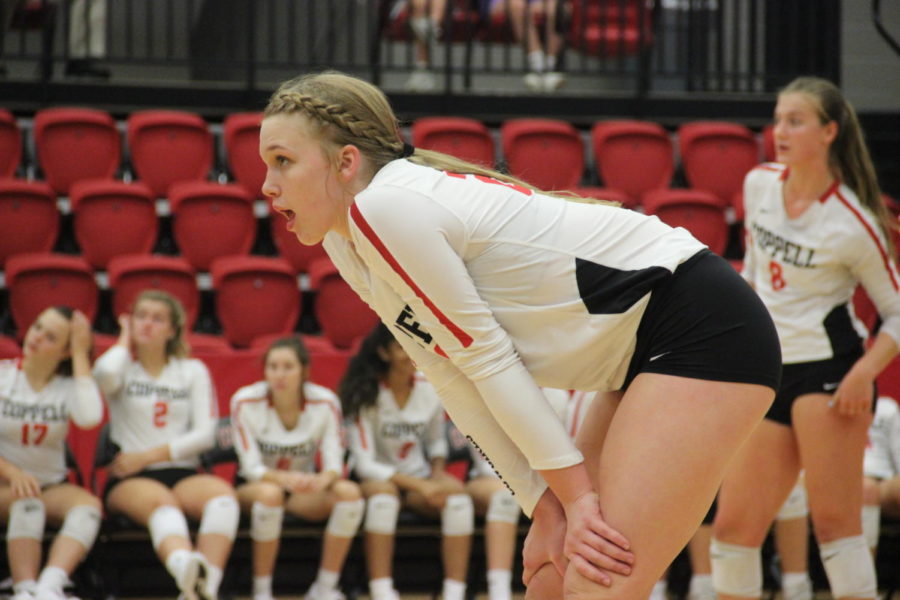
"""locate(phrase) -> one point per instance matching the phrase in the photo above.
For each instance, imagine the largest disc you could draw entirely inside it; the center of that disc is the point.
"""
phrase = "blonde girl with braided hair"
(817, 227)
(495, 288)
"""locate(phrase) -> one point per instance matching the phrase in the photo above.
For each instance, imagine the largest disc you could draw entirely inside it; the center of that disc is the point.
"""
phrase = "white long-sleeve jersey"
(34, 425)
(494, 289)
(882, 457)
(386, 439)
(806, 269)
(178, 408)
(263, 443)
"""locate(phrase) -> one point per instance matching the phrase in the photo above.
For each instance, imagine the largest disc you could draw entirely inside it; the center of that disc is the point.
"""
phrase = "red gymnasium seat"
(29, 218)
(633, 157)
(241, 137)
(546, 153)
(698, 211)
(10, 144)
(132, 274)
(716, 156)
(344, 318)
(463, 138)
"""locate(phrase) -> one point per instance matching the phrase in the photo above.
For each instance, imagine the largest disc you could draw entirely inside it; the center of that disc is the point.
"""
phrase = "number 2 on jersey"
(33, 433)
(160, 410)
(777, 274)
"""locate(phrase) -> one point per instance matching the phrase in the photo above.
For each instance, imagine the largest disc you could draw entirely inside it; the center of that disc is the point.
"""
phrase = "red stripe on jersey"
(832, 189)
(237, 419)
(464, 338)
(881, 249)
(362, 434)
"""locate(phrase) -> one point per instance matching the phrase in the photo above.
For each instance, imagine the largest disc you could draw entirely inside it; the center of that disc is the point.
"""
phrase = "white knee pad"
(871, 524)
(165, 521)
(26, 519)
(502, 508)
(796, 505)
(82, 523)
(221, 515)
(265, 522)
(458, 515)
(850, 568)
(736, 570)
(345, 518)
(381, 513)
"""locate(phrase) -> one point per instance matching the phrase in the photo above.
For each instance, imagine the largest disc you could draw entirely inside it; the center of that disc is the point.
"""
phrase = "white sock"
(213, 579)
(454, 590)
(52, 578)
(550, 63)
(262, 586)
(701, 585)
(176, 561)
(796, 585)
(499, 584)
(326, 580)
(26, 585)
(536, 61)
(659, 590)
(381, 587)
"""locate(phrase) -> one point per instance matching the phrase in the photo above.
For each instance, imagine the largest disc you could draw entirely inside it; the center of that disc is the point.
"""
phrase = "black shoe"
(86, 67)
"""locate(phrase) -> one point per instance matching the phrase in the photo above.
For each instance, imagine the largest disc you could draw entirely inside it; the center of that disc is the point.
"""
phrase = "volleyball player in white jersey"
(39, 393)
(881, 467)
(495, 288)
(399, 450)
(279, 425)
(817, 227)
(162, 413)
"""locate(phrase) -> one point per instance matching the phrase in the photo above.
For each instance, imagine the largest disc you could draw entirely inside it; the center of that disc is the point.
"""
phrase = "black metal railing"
(606, 46)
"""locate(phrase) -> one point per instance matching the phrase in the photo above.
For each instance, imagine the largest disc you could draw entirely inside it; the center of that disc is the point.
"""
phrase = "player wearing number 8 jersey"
(816, 227)
(494, 288)
(162, 411)
(39, 393)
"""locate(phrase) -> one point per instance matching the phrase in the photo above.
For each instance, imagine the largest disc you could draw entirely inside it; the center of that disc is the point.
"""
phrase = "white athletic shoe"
(421, 81)
(553, 81)
(23, 595)
(315, 594)
(51, 594)
(192, 581)
(534, 81)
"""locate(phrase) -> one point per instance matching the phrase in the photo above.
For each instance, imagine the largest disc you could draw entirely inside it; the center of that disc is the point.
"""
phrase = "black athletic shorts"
(816, 377)
(168, 477)
(706, 322)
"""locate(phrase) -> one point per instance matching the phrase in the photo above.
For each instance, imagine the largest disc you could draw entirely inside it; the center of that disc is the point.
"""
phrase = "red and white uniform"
(386, 439)
(34, 425)
(177, 408)
(806, 269)
(264, 444)
(494, 289)
(882, 458)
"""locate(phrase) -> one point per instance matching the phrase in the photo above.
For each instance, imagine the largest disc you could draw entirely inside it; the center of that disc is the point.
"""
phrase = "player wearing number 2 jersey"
(39, 393)
(281, 425)
(162, 410)
(816, 227)
(494, 288)
(399, 450)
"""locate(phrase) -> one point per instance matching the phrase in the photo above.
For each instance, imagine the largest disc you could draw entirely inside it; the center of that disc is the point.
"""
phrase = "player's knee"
(545, 584)
(736, 570)
(502, 508)
(796, 505)
(831, 522)
(849, 567)
(345, 518)
(220, 516)
(346, 491)
(164, 522)
(82, 523)
(269, 494)
(458, 515)
(27, 518)
(381, 514)
(265, 522)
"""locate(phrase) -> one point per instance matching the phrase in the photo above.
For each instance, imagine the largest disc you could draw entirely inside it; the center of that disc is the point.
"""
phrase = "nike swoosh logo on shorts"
(652, 358)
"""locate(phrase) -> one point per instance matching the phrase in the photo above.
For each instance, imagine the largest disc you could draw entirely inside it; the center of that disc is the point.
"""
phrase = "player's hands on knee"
(593, 547)
(854, 394)
(546, 538)
(24, 485)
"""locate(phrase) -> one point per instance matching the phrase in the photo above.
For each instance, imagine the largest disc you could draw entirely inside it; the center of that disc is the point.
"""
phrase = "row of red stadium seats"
(165, 147)
(255, 296)
(210, 220)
